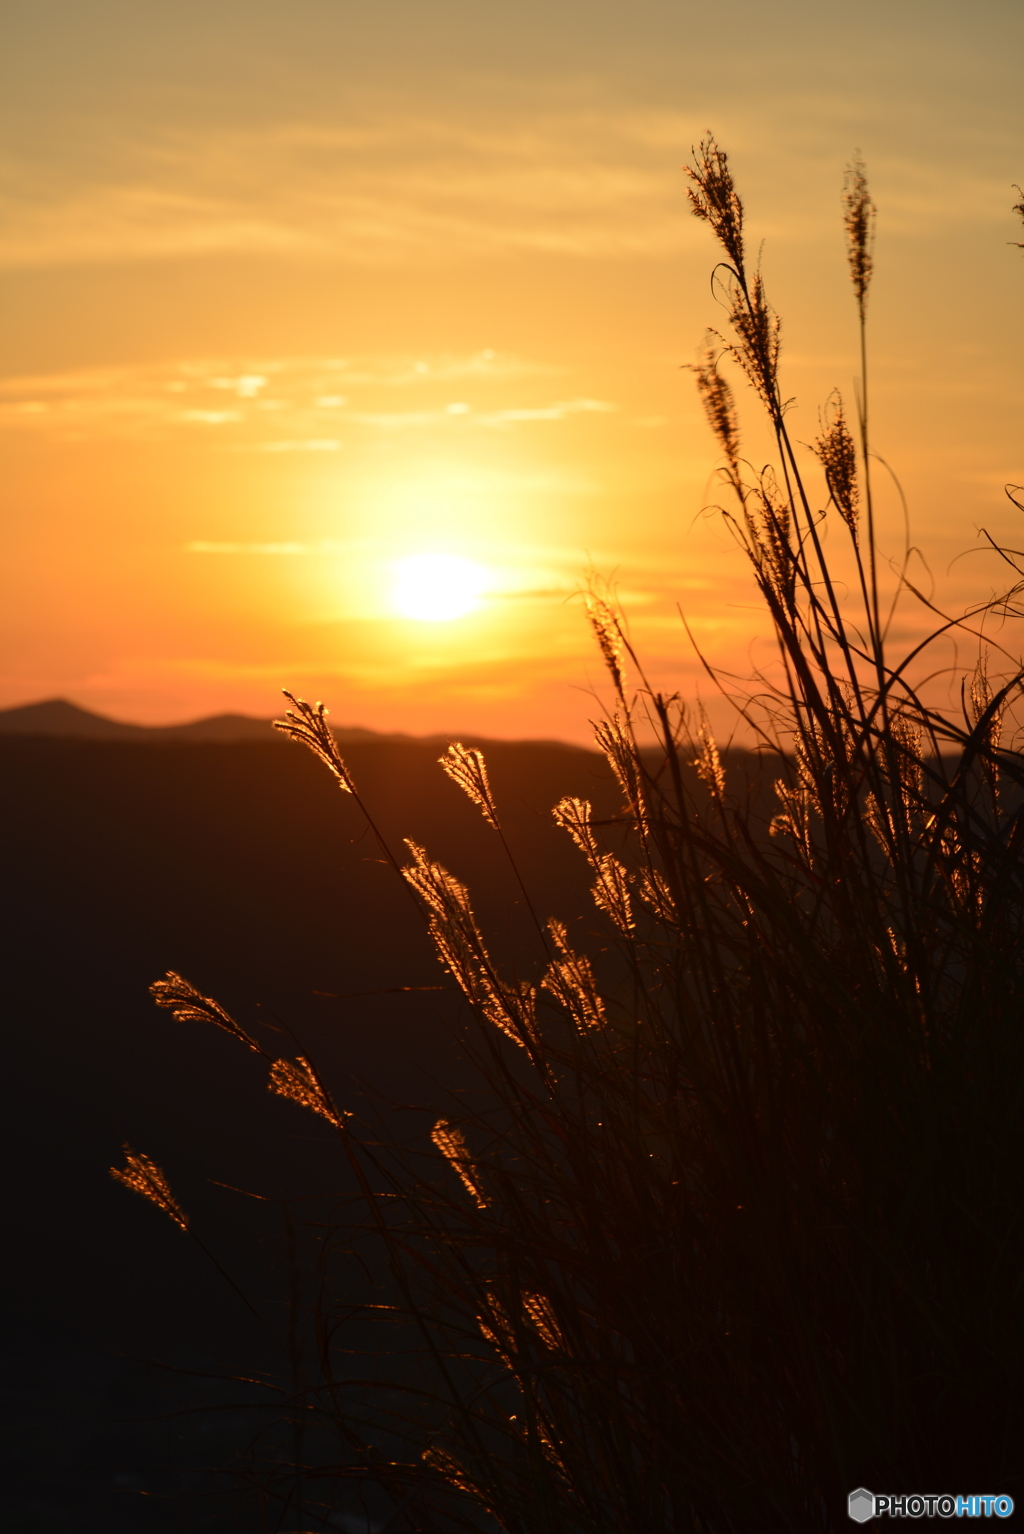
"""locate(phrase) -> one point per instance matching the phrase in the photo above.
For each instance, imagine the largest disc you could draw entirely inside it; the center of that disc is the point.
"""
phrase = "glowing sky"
(298, 293)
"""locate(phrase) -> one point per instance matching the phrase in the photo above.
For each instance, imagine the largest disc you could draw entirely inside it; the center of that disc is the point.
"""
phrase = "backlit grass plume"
(465, 766)
(460, 947)
(143, 1176)
(298, 1080)
(570, 979)
(605, 622)
(451, 1142)
(307, 724)
(188, 1005)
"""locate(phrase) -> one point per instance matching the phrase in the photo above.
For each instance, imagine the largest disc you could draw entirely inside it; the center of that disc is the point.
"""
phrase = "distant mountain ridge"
(58, 717)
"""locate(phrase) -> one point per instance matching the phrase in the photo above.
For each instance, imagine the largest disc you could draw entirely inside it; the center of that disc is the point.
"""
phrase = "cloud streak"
(393, 184)
(200, 546)
(400, 188)
(297, 399)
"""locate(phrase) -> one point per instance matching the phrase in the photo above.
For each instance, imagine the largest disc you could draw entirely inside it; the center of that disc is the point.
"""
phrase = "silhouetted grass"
(735, 1222)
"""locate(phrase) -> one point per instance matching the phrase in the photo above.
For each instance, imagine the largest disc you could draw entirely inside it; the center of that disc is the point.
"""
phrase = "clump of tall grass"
(736, 1221)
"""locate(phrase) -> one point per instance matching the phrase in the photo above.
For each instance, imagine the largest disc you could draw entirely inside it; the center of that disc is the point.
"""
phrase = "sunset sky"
(327, 318)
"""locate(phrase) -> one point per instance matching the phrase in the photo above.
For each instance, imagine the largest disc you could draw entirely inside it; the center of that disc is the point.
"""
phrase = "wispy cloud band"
(292, 405)
(396, 188)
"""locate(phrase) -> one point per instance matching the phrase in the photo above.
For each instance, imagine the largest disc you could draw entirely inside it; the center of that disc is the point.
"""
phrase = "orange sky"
(297, 292)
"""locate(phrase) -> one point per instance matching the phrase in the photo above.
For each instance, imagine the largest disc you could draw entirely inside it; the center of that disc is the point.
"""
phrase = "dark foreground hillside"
(243, 867)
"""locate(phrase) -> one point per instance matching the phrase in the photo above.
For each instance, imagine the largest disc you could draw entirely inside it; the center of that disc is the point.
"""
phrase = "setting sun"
(436, 587)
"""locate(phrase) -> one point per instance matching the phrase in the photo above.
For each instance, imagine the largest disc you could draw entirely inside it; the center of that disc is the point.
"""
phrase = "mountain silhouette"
(59, 717)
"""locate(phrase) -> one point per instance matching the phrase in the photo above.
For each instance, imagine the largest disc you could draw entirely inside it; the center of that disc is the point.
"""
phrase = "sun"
(436, 587)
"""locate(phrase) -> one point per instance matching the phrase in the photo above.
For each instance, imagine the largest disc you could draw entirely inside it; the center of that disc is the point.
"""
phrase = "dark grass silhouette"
(730, 1220)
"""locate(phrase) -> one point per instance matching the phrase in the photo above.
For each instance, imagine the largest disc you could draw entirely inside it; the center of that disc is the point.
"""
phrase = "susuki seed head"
(709, 761)
(611, 891)
(576, 816)
(541, 1314)
(570, 979)
(496, 1328)
(448, 1467)
(719, 406)
(608, 632)
(446, 896)
(144, 1176)
(465, 766)
(189, 1005)
(614, 739)
(298, 1080)
(451, 1142)
(835, 448)
(713, 197)
(859, 218)
(307, 724)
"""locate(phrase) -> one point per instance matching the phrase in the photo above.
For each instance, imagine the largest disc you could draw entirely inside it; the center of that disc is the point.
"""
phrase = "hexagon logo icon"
(862, 1505)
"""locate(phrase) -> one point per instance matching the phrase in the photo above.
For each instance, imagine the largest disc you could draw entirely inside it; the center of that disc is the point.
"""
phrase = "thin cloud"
(211, 417)
(399, 419)
(405, 187)
(555, 412)
(200, 546)
(398, 185)
(299, 398)
(309, 445)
